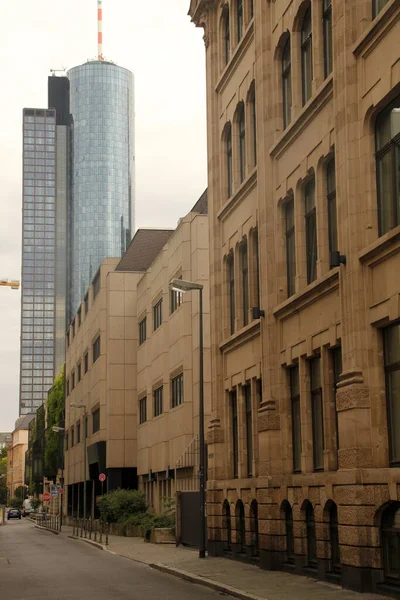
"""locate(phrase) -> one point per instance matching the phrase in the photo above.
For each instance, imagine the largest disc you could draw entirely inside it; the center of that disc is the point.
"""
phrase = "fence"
(91, 529)
(51, 522)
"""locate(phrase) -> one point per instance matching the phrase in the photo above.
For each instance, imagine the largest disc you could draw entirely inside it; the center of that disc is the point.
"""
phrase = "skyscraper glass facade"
(102, 170)
(38, 257)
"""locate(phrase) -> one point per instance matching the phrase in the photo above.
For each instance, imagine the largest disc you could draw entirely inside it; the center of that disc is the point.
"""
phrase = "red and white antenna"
(100, 28)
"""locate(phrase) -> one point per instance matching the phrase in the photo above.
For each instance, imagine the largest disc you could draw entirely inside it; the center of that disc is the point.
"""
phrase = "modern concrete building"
(101, 220)
(168, 362)
(303, 151)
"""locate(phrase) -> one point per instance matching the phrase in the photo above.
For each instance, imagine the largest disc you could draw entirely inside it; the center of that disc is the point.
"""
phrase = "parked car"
(14, 513)
(26, 508)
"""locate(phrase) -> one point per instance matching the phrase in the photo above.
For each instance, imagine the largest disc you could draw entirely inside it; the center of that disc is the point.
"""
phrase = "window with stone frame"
(239, 19)
(296, 417)
(142, 330)
(331, 200)
(244, 269)
(234, 432)
(249, 427)
(290, 248)
(391, 339)
(287, 84)
(242, 141)
(327, 31)
(226, 31)
(306, 56)
(387, 139)
(229, 159)
(157, 315)
(317, 413)
(96, 420)
(230, 263)
(311, 230)
(143, 410)
(158, 401)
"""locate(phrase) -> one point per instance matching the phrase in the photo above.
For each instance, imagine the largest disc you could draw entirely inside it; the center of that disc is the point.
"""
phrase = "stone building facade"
(303, 126)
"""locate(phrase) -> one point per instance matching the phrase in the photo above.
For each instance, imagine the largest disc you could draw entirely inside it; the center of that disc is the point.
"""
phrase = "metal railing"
(91, 529)
(51, 522)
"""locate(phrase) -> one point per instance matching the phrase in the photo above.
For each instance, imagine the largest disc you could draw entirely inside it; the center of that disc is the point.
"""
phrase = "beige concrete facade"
(16, 460)
(282, 104)
(168, 446)
(107, 384)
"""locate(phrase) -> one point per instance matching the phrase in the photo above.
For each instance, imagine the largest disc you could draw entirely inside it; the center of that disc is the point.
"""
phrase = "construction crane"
(13, 284)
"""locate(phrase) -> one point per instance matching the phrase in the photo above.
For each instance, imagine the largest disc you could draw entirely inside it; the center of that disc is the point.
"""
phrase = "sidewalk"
(239, 579)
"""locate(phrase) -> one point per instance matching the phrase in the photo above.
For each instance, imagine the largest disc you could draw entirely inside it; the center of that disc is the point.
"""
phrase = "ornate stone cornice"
(198, 11)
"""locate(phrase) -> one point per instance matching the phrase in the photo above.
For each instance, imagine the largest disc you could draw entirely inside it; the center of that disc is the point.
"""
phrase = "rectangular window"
(142, 330)
(79, 372)
(235, 432)
(96, 349)
(336, 354)
(157, 315)
(177, 390)
(245, 281)
(290, 248)
(143, 410)
(79, 317)
(317, 413)
(72, 437)
(66, 441)
(86, 303)
(96, 284)
(391, 337)
(176, 299)
(327, 26)
(311, 231)
(96, 420)
(331, 198)
(158, 401)
(231, 291)
(249, 428)
(296, 418)
(78, 433)
(72, 381)
(86, 361)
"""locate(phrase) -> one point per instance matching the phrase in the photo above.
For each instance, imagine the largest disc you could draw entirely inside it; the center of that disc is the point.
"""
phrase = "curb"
(46, 529)
(90, 542)
(210, 583)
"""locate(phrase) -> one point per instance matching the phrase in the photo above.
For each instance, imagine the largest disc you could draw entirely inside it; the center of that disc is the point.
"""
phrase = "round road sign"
(46, 497)
(61, 491)
(102, 477)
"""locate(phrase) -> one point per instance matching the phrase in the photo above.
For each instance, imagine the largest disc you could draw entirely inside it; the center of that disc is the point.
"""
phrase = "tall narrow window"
(242, 143)
(96, 349)
(306, 56)
(311, 230)
(331, 197)
(86, 361)
(157, 315)
(96, 420)
(227, 36)
(176, 299)
(377, 6)
(235, 433)
(311, 538)
(239, 19)
(251, 9)
(231, 291)
(256, 266)
(391, 337)
(254, 123)
(337, 369)
(327, 24)
(244, 266)
(290, 249)
(317, 414)
(391, 543)
(177, 391)
(289, 554)
(334, 539)
(287, 84)
(158, 401)
(143, 410)
(142, 330)
(388, 167)
(249, 428)
(296, 418)
(229, 171)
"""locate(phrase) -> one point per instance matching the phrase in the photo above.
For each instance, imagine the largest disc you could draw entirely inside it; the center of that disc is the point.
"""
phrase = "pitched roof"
(201, 205)
(143, 249)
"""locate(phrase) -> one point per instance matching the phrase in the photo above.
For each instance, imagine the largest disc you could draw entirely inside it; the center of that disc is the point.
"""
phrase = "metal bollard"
(90, 528)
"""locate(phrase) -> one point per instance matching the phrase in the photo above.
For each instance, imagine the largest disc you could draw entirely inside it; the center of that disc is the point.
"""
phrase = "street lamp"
(180, 285)
(57, 429)
(73, 405)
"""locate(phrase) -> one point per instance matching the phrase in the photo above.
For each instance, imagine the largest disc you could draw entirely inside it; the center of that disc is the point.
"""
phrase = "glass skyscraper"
(38, 257)
(102, 167)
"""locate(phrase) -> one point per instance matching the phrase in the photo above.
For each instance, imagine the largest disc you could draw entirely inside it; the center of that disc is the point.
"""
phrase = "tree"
(3, 452)
(21, 492)
(55, 414)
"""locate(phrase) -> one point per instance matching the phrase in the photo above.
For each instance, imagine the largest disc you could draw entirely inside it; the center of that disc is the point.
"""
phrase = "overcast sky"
(157, 42)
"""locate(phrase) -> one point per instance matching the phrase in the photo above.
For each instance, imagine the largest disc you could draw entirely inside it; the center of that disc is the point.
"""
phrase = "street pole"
(84, 464)
(202, 551)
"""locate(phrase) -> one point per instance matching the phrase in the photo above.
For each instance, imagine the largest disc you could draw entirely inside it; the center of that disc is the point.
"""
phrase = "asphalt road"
(38, 565)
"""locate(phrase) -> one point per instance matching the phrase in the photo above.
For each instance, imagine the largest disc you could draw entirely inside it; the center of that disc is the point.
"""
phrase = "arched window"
(231, 290)
(334, 539)
(226, 31)
(287, 84)
(239, 19)
(289, 553)
(255, 549)
(229, 171)
(306, 56)
(327, 24)
(253, 123)
(387, 136)
(242, 142)
(331, 198)
(391, 542)
(244, 268)
(227, 526)
(311, 538)
(240, 527)
(311, 230)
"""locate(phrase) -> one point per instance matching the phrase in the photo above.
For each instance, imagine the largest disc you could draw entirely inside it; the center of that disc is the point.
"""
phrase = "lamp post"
(180, 285)
(84, 456)
(57, 429)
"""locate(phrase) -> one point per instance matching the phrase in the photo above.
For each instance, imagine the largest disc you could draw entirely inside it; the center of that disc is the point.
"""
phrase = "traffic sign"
(46, 497)
(54, 493)
(61, 491)
(102, 477)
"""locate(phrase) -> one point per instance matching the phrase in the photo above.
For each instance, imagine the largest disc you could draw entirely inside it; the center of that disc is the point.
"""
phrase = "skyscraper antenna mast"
(100, 28)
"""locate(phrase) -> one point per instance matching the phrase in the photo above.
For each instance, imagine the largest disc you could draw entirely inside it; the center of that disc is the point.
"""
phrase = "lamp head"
(180, 285)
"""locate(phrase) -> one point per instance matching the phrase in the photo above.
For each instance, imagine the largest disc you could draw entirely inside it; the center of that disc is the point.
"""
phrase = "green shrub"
(16, 502)
(120, 504)
(35, 503)
(145, 522)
